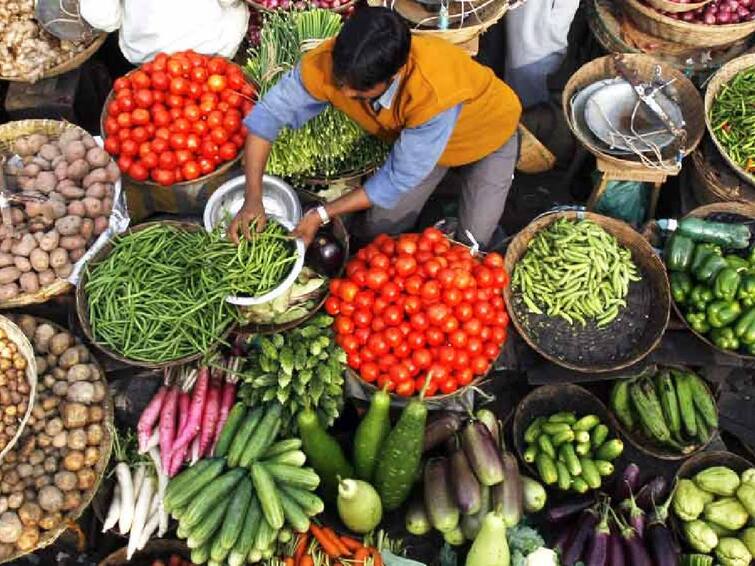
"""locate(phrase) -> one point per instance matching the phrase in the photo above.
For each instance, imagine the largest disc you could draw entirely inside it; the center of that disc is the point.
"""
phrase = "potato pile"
(68, 185)
(14, 388)
(48, 472)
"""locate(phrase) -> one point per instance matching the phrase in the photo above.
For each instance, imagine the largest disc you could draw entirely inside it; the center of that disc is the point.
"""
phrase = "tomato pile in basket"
(419, 305)
(177, 117)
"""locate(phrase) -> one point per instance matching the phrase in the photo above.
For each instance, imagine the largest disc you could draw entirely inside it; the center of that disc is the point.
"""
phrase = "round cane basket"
(713, 181)
(82, 308)
(338, 9)
(653, 22)
(534, 157)
(677, 7)
(159, 549)
(628, 338)
(723, 76)
(9, 133)
(720, 212)
(73, 63)
(685, 94)
(49, 537)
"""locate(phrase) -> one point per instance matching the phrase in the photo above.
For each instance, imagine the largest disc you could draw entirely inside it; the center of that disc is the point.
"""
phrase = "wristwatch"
(324, 216)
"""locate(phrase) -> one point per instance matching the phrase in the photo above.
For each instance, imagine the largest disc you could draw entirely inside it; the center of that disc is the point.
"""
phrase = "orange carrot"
(360, 556)
(306, 560)
(301, 546)
(330, 548)
(289, 561)
(337, 541)
(377, 560)
(351, 543)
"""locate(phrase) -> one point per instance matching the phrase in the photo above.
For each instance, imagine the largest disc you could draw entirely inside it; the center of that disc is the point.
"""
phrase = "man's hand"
(251, 211)
(308, 227)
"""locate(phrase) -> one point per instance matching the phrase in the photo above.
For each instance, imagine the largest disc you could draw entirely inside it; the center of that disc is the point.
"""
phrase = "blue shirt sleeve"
(412, 158)
(288, 103)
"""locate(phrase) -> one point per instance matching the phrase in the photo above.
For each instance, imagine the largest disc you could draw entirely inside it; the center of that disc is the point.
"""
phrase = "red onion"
(723, 17)
(710, 18)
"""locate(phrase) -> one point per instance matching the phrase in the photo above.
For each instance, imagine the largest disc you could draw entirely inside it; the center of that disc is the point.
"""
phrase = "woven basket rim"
(465, 33)
(261, 8)
(73, 63)
(678, 7)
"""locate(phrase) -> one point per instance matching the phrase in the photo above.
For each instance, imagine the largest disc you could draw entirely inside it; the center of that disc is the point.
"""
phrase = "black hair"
(370, 49)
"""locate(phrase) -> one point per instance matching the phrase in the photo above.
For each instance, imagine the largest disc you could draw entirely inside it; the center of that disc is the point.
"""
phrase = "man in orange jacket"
(439, 107)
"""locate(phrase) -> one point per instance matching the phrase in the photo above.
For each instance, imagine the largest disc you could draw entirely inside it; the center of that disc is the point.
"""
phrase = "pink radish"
(194, 418)
(149, 417)
(209, 419)
(184, 402)
(176, 460)
(168, 426)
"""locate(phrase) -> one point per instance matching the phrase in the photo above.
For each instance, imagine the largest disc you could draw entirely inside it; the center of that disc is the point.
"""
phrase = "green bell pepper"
(702, 251)
(698, 322)
(738, 263)
(751, 256)
(726, 284)
(679, 251)
(724, 338)
(746, 292)
(723, 313)
(699, 297)
(744, 329)
(681, 286)
(707, 272)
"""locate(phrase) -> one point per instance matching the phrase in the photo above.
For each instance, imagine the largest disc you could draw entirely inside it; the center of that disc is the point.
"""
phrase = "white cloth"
(537, 29)
(147, 27)
(101, 15)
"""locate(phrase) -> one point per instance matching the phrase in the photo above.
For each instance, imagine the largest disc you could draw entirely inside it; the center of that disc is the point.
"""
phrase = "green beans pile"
(577, 271)
(732, 116)
(160, 294)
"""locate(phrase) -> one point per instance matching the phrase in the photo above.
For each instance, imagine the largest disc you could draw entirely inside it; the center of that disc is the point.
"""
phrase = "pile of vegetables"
(576, 271)
(716, 292)
(715, 13)
(52, 470)
(322, 546)
(473, 476)
(178, 117)
(295, 303)
(297, 369)
(26, 50)
(331, 144)
(419, 305)
(572, 452)
(300, 5)
(731, 117)
(675, 409)
(65, 201)
(236, 506)
(160, 293)
(715, 506)
(14, 388)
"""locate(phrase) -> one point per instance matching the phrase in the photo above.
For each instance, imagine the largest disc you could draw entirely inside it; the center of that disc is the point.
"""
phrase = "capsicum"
(681, 286)
(738, 263)
(726, 284)
(702, 251)
(745, 327)
(746, 292)
(751, 256)
(724, 338)
(698, 322)
(723, 313)
(707, 272)
(679, 251)
(699, 297)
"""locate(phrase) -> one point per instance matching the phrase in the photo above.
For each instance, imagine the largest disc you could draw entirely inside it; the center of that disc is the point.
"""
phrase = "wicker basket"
(339, 10)
(713, 181)
(9, 133)
(73, 63)
(156, 549)
(534, 157)
(49, 537)
(82, 309)
(686, 96)
(653, 22)
(656, 296)
(746, 210)
(721, 78)
(677, 7)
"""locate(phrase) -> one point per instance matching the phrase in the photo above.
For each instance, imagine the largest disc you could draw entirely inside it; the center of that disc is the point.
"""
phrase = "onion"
(710, 18)
(723, 17)
(688, 17)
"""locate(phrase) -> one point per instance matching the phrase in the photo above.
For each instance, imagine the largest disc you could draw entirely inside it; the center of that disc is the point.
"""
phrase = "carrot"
(351, 543)
(360, 556)
(209, 419)
(306, 560)
(337, 541)
(377, 560)
(289, 561)
(168, 426)
(301, 546)
(194, 417)
(330, 548)
(149, 417)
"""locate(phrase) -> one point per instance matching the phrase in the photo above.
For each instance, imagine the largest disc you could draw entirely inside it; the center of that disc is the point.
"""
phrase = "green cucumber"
(586, 423)
(200, 555)
(590, 473)
(370, 435)
(308, 501)
(295, 515)
(265, 535)
(604, 468)
(245, 540)
(218, 552)
(263, 436)
(232, 424)
(566, 452)
(304, 478)
(598, 436)
(281, 447)
(533, 430)
(579, 485)
(323, 452)
(242, 436)
(564, 478)
(546, 467)
(182, 489)
(211, 495)
(266, 491)
(546, 446)
(202, 533)
(234, 518)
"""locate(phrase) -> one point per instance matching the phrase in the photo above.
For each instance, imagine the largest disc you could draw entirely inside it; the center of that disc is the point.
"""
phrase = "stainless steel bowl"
(278, 198)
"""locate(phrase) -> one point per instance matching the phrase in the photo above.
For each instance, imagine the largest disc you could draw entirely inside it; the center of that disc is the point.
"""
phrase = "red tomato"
(199, 74)
(231, 123)
(474, 346)
(124, 162)
(344, 325)
(235, 80)
(238, 139)
(200, 128)
(353, 359)
(129, 148)
(150, 159)
(183, 156)
(484, 311)
(423, 358)
(450, 324)
(498, 336)
(143, 98)
(217, 65)
(419, 321)
(160, 81)
(348, 309)
(121, 83)
(405, 388)
(160, 144)
(446, 355)
(111, 126)
(502, 318)
(437, 313)
(182, 125)
(192, 112)
(493, 259)
(215, 119)
(347, 291)
(112, 146)
(435, 336)
(177, 140)
(124, 120)
(430, 291)
(432, 267)
(209, 150)
(164, 177)
(386, 383)
(479, 365)
(448, 385)
(377, 345)
(393, 336)
(206, 165)
(179, 86)
(125, 93)
(393, 315)
(500, 278)
(412, 305)
(167, 160)
(463, 280)
(369, 371)
(464, 311)
(216, 83)
(161, 117)
(405, 266)
(362, 318)
(228, 151)
(195, 90)
(407, 244)
(490, 351)
(458, 339)
(377, 324)
(365, 299)
(472, 327)
(332, 306)
(175, 101)
(462, 359)
(464, 376)
(175, 114)
(140, 116)
(390, 291)
(174, 67)
(430, 390)
(138, 171)
(376, 278)
(415, 340)
(124, 134)
(139, 134)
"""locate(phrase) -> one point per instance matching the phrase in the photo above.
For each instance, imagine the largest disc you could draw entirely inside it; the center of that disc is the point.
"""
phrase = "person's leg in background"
(485, 186)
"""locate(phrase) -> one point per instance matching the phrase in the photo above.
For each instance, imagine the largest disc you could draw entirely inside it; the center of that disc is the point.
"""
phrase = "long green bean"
(732, 116)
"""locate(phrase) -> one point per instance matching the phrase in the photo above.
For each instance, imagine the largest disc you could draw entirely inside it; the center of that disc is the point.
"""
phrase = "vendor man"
(441, 109)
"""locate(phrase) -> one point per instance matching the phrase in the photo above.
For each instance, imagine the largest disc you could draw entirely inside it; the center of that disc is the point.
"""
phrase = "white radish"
(149, 530)
(123, 473)
(139, 473)
(194, 451)
(140, 515)
(114, 511)
(153, 441)
(162, 485)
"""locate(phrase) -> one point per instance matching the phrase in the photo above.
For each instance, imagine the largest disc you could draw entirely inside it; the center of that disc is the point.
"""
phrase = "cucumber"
(290, 458)
(579, 485)
(265, 488)
(563, 417)
(232, 424)
(265, 535)
(263, 436)
(234, 519)
(245, 540)
(245, 431)
(533, 430)
(324, 453)
(304, 478)
(217, 551)
(554, 428)
(586, 423)
(546, 467)
(200, 555)
(598, 436)
(295, 515)
(188, 483)
(416, 521)
(570, 459)
(309, 502)
(604, 468)
(211, 495)
(546, 446)
(282, 446)
(610, 450)
(590, 473)
(530, 453)
(254, 556)
(564, 478)
(399, 462)
(370, 435)
(202, 533)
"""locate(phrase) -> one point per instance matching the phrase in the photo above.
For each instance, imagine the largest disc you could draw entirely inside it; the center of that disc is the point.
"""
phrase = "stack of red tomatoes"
(177, 117)
(416, 306)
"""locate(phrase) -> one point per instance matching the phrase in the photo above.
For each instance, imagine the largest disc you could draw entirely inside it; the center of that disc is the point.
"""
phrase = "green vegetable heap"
(298, 369)
(577, 271)
(732, 115)
(330, 145)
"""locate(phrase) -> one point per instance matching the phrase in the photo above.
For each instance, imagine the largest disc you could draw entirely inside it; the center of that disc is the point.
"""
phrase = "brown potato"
(91, 456)
(58, 258)
(47, 277)
(61, 170)
(77, 254)
(73, 461)
(30, 514)
(72, 192)
(68, 226)
(69, 359)
(45, 182)
(97, 157)
(9, 291)
(100, 225)
(94, 207)
(66, 481)
(78, 170)
(6, 259)
(22, 264)
(60, 342)
(49, 151)
(24, 246)
(95, 176)
(113, 172)
(51, 498)
(75, 415)
(72, 242)
(39, 258)
(29, 282)
(74, 150)
(97, 190)
(9, 274)
(28, 540)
